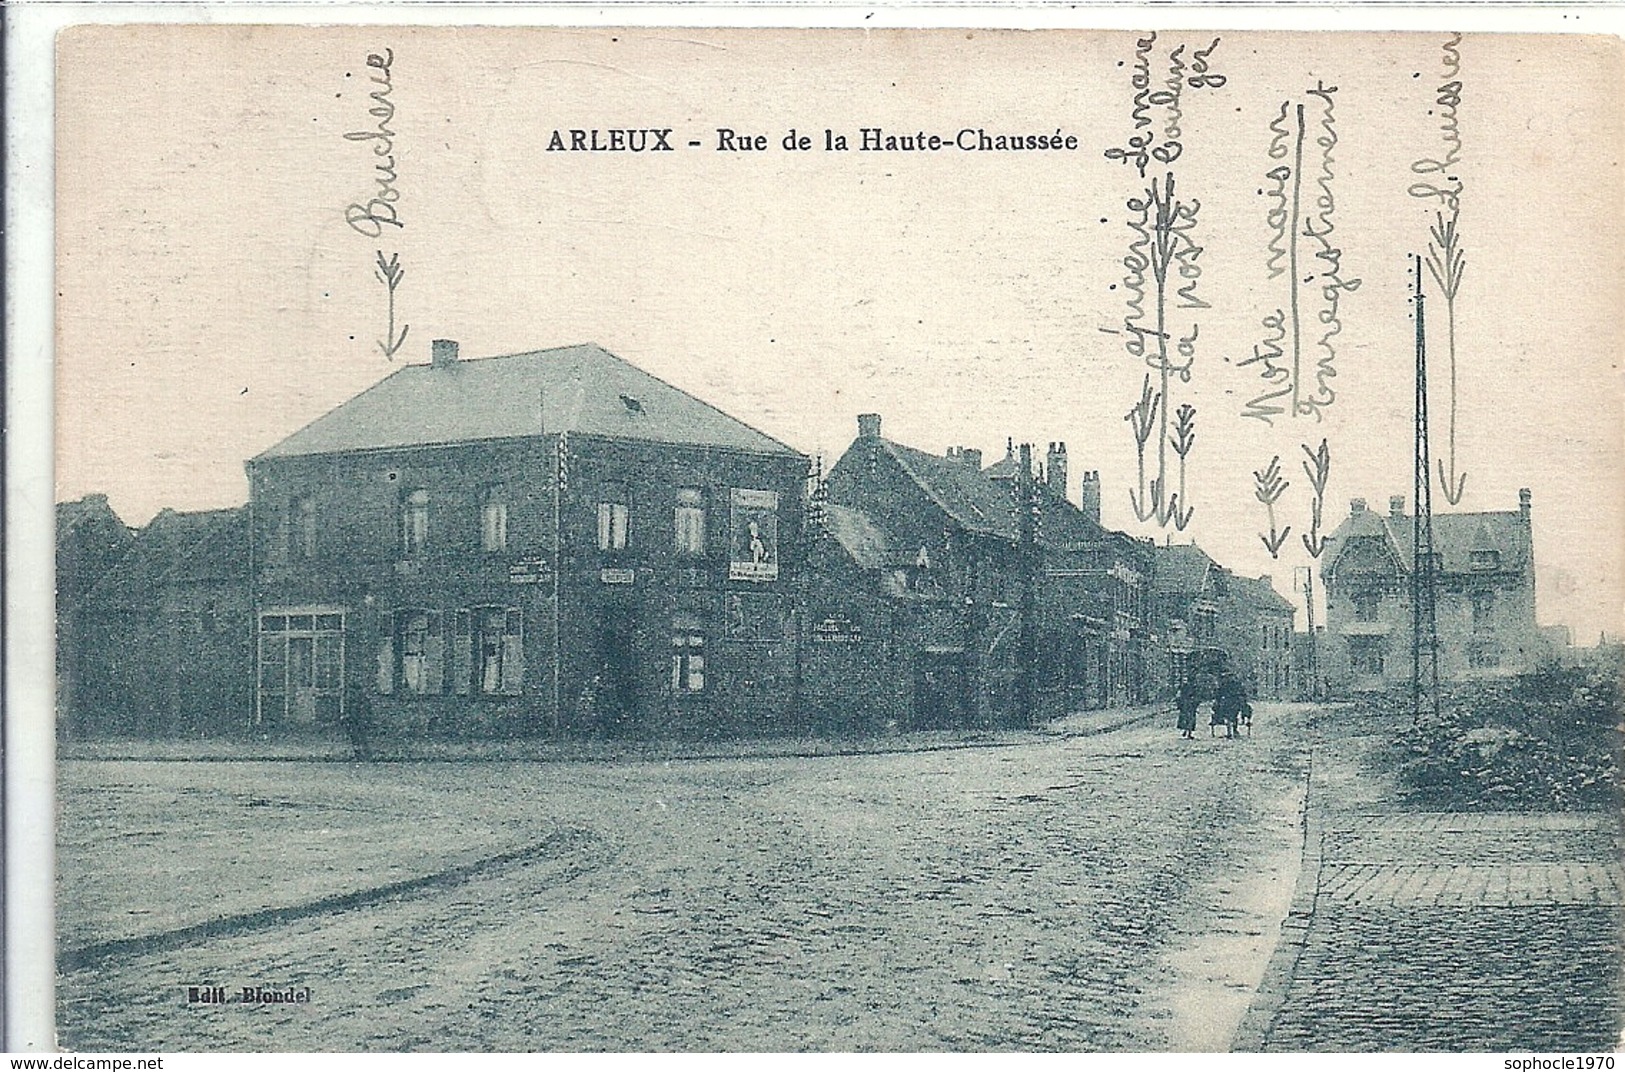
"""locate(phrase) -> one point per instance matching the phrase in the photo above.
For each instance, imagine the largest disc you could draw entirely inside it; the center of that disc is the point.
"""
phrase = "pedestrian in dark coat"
(1228, 700)
(357, 720)
(1187, 701)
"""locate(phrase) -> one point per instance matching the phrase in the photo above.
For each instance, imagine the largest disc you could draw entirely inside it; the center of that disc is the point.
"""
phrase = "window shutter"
(462, 652)
(434, 657)
(513, 655)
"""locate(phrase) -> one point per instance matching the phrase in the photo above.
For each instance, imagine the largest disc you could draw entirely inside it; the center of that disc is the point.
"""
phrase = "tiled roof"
(970, 498)
(69, 515)
(1455, 537)
(1180, 569)
(1260, 593)
(858, 536)
(164, 550)
(585, 390)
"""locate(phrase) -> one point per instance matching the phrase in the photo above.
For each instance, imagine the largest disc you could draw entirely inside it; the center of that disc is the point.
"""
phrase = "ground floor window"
(497, 646)
(687, 657)
(301, 666)
(1483, 656)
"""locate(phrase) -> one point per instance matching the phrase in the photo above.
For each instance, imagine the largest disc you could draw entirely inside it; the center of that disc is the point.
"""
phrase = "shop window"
(301, 668)
(494, 518)
(422, 649)
(496, 644)
(689, 521)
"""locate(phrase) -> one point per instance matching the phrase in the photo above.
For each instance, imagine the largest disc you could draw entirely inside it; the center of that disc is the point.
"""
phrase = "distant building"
(1202, 608)
(164, 635)
(1485, 570)
(553, 541)
(90, 539)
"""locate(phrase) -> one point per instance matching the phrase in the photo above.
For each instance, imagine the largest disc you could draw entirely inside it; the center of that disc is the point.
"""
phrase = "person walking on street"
(1186, 701)
(357, 720)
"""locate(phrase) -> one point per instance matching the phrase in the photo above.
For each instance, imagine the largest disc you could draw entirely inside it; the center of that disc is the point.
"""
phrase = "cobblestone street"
(1117, 889)
(1053, 894)
(1447, 931)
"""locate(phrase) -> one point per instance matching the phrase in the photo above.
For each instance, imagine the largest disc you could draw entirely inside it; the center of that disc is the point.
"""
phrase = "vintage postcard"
(838, 540)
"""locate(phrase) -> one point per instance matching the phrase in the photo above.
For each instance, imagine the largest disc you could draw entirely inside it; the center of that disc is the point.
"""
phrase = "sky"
(212, 298)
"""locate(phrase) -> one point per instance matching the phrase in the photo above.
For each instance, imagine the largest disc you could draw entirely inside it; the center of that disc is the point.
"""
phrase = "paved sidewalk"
(1446, 931)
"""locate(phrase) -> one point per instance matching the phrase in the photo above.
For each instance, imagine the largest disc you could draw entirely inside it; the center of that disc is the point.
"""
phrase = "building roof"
(70, 515)
(1180, 569)
(858, 535)
(165, 550)
(584, 389)
(1261, 593)
(1455, 538)
(976, 503)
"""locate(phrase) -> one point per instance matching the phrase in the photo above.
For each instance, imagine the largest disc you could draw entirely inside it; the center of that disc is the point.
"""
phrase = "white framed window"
(415, 520)
(494, 518)
(613, 518)
(422, 651)
(689, 521)
(301, 665)
(687, 657)
(497, 650)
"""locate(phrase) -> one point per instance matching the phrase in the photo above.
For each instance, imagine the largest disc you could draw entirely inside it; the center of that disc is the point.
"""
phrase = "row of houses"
(557, 542)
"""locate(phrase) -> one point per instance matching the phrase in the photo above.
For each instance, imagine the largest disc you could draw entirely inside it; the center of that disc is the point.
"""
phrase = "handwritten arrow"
(1447, 264)
(1269, 488)
(390, 273)
(1318, 468)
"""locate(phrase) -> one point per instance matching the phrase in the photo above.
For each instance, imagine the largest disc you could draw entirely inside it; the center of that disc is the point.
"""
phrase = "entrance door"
(618, 671)
(940, 693)
(302, 679)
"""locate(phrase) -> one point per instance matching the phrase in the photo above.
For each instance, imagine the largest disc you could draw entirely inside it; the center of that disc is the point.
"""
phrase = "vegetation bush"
(1546, 740)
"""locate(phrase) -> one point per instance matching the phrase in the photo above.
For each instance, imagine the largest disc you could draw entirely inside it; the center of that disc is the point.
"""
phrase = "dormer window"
(1485, 560)
(633, 406)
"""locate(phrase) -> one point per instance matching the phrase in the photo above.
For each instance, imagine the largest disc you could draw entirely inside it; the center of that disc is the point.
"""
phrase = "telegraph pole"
(1424, 581)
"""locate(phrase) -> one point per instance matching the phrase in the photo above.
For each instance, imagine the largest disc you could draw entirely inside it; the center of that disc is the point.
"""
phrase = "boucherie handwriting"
(380, 208)
(863, 140)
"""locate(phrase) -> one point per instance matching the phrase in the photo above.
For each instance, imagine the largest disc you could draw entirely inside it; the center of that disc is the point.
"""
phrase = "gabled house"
(1015, 588)
(1255, 628)
(1187, 590)
(1485, 595)
(90, 539)
(163, 639)
(546, 542)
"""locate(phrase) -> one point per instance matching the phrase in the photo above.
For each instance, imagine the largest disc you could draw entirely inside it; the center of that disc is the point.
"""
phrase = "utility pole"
(1313, 667)
(1424, 581)
(1027, 526)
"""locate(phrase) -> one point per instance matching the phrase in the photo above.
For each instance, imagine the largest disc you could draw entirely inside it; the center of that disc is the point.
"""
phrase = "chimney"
(1055, 469)
(443, 353)
(868, 426)
(1356, 506)
(1091, 495)
(1396, 507)
(1524, 500)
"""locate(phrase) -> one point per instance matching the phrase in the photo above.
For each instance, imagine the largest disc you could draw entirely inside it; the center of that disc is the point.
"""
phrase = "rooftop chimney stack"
(1525, 498)
(1396, 507)
(443, 353)
(868, 426)
(1356, 506)
(1055, 469)
(1090, 495)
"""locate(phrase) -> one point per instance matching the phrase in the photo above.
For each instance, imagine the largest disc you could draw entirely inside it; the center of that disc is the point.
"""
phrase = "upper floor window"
(689, 521)
(1483, 612)
(494, 518)
(302, 527)
(415, 520)
(1485, 560)
(1365, 607)
(612, 518)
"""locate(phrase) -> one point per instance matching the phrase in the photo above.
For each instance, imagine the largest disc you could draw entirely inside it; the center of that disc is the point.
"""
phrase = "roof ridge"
(930, 492)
